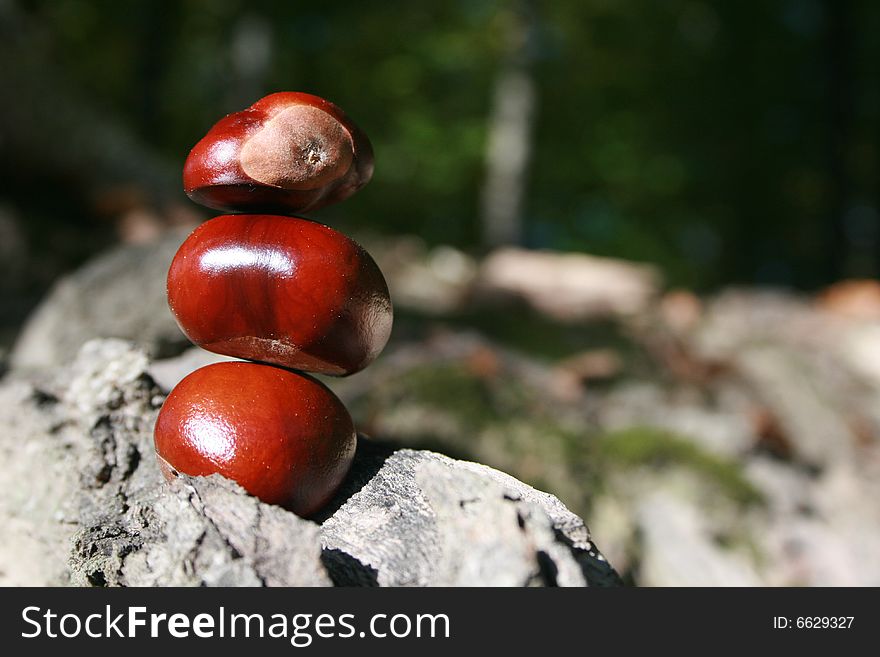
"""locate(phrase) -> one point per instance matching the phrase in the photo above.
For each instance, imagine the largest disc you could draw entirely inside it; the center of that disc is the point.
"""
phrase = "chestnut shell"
(216, 172)
(280, 290)
(284, 437)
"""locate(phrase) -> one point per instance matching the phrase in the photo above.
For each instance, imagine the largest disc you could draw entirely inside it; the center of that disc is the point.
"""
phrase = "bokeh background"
(632, 244)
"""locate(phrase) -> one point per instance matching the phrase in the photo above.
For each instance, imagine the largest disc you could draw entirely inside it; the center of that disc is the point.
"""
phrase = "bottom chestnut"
(283, 436)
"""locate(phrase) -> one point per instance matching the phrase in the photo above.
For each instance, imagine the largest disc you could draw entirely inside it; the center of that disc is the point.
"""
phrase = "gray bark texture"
(120, 293)
(87, 505)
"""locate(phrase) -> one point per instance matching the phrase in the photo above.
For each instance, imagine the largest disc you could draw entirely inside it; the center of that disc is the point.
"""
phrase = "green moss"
(452, 388)
(649, 446)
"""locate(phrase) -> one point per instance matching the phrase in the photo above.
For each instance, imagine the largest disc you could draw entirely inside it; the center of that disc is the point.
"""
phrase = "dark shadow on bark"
(368, 460)
(345, 570)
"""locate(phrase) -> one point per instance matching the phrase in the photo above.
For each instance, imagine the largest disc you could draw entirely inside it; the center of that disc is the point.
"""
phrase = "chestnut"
(280, 290)
(289, 152)
(283, 436)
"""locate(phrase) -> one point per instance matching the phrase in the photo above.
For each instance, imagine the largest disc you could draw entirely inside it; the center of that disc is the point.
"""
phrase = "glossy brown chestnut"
(288, 152)
(280, 290)
(284, 437)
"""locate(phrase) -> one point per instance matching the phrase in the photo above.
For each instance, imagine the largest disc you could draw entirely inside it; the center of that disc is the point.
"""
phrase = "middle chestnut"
(280, 290)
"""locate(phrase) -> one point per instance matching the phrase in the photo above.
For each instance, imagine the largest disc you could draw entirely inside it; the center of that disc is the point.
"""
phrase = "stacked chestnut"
(283, 292)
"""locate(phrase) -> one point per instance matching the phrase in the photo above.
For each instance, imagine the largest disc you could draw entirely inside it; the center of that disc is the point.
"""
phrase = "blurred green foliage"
(725, 141)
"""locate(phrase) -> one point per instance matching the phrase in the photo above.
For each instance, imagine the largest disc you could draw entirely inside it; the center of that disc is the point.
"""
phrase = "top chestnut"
(288, 152)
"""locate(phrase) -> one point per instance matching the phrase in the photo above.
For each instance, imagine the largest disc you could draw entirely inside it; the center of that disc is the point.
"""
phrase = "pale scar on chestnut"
(301, 147)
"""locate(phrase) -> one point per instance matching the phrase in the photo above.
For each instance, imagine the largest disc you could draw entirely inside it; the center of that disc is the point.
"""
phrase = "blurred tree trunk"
(511, 121)
(250, 55)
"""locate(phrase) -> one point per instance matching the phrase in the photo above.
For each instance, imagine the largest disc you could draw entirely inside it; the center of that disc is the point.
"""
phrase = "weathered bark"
(90, 507)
